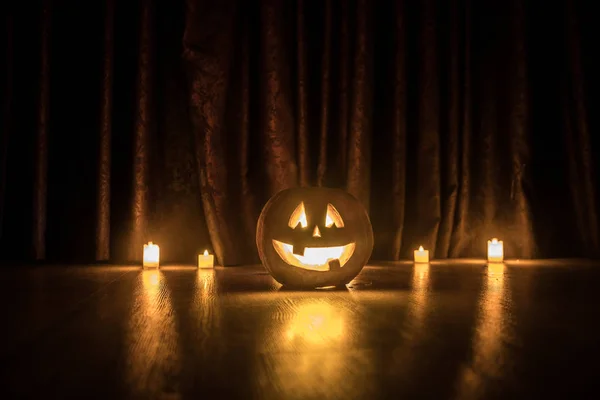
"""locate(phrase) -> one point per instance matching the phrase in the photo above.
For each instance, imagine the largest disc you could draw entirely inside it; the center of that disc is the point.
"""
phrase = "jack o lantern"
(314, 237)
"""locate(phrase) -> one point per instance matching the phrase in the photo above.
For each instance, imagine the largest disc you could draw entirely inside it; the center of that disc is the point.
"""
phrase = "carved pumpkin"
(314, 237)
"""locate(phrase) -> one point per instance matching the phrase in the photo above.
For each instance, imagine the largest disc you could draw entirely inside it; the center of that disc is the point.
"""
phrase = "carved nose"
(316, 232)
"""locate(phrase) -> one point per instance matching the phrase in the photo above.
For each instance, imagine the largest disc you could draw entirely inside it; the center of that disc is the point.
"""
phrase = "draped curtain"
(452, 121)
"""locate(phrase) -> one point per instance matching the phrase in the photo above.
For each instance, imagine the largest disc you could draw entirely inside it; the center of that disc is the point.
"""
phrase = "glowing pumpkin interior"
(315, 258)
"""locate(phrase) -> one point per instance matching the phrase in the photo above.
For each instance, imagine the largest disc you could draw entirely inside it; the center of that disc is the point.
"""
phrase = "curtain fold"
(428, 122)
(451, 107)
(40, 182)
(451, 121)
(519, 128)
(212, 67)
(105, 134)
(428, 188)
(358, 168)
(461, 109)
(247, 200)
(304, 167)
(325, 101)
(144, 125)
(278, 137)
(7, 103)
(398, 131)
(578, 143)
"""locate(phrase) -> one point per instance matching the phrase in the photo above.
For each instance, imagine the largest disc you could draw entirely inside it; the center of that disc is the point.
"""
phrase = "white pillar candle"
(421, 255)
(206, 260)
(151, 255)
(495, 250)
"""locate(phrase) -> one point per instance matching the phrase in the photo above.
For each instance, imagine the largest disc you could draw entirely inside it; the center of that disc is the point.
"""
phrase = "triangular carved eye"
(298, 217)
(333, 217)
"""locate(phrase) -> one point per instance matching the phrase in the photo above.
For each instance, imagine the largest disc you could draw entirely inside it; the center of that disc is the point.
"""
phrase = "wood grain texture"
(461, 330)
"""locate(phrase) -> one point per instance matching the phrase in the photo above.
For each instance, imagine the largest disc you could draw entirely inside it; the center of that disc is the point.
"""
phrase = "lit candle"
(421, 256)
(206, 260)
(151, 255)
(495, 250)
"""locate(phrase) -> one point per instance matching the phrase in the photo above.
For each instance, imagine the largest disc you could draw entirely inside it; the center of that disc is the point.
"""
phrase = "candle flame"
(205, 252)
(420, 248)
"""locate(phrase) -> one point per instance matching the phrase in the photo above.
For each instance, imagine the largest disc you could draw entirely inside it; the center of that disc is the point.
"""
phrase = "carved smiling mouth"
(315, 258)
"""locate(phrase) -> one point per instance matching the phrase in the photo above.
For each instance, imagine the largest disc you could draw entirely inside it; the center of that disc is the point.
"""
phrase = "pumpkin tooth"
(334, 264)
(298, 250)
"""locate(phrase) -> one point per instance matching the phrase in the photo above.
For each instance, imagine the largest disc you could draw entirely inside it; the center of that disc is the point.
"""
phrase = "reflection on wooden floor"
(488, 360)
(153, 352)
(401, 331)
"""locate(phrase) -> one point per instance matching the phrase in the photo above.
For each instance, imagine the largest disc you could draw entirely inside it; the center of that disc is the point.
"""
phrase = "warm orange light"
(493, 325)
(151, 321)
(421, 255)
(206, 260)
(150, 280)
(495, 250)
(314, 258)
(151, 255)
(316, 232)
(316, 323)
(298, 217)
(333, 217)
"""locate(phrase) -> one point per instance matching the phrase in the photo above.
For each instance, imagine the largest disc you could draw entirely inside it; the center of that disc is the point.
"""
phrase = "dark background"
(172, 121)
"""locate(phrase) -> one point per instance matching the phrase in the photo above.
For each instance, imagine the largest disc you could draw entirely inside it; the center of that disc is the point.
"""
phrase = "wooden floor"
(462, 330)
